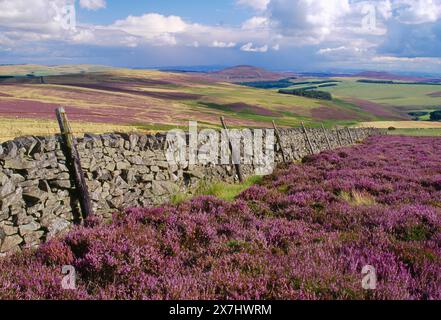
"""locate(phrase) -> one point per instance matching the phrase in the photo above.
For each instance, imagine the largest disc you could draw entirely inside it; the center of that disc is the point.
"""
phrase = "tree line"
(308, 92)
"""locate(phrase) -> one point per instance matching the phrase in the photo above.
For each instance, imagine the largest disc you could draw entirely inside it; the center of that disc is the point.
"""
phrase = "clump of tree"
(430, 83)
(376, 81)
(308, 93)
(418, 113)
(435, 115)
(327, 85)
(283, 83)
(317, 82)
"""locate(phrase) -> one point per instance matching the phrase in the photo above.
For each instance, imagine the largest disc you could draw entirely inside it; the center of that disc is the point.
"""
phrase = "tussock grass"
(358, 198)
(222, 190)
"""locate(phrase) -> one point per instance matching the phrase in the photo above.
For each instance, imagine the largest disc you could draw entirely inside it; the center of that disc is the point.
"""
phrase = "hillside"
(100, 98)
(247, 74)
(387, 76)
(153, 100)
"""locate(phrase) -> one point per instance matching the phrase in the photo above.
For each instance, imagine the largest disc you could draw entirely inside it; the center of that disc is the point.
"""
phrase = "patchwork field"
(388, 100)
(125, 100)
(154, 100)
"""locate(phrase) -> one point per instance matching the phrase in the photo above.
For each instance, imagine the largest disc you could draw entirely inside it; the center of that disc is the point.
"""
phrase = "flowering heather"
(305, 232)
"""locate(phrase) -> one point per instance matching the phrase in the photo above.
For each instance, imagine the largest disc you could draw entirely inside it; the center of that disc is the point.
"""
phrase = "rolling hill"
(246, 73)
(100, 99)
(154, 100)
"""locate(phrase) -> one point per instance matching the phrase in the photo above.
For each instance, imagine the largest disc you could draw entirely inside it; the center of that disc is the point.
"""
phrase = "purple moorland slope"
(305, 233)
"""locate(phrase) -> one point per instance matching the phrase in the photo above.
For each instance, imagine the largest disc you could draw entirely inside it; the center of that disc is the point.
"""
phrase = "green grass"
(222, 190)
(417, 132)
(401, 95)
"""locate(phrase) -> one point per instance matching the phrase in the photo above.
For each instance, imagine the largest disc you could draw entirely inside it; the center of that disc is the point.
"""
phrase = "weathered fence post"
(73, 160)
(307, 138)
(350, 135)
(279, 141)
(237, 164)
(326, 136)
(339, 138)
(357, 136)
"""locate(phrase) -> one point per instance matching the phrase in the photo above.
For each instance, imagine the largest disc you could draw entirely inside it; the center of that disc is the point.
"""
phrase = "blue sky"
(298, 35)
(207, 12)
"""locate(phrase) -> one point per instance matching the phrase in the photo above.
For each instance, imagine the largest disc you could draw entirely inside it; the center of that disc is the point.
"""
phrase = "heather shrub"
(305, 232)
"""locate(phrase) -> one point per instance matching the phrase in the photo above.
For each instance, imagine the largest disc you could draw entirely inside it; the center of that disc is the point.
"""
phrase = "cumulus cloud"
(221, 44)
(327, 29)
(417, 11)
(318, 18)
(256, 23)
(93, 4)
(153, 27)
(249, 47)
(342, 52)
(37, 15)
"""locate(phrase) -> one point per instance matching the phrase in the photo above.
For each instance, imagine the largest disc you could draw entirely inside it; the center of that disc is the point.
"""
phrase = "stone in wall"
(37, 195)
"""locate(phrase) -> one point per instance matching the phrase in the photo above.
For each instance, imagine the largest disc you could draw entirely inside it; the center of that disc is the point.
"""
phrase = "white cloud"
(221, 44)
(93, 4)
(417, 11)
(340, 50)
(154, 27)
(255, 23)
(255, 4)
(405, 59)
(316, 18)
(329, 28)
(151, 23)
(249, 47)
(38, 15)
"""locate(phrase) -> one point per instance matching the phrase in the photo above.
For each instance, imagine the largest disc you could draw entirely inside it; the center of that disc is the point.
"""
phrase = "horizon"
(214, 68)
(398, 36)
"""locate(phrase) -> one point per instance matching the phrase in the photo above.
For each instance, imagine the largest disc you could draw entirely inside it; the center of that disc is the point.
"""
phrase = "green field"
(408, 97)
(154, 100)
(151, 100)
(417, 132)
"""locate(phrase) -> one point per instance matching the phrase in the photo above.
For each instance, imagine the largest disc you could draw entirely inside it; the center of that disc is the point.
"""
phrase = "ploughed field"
(305, 232)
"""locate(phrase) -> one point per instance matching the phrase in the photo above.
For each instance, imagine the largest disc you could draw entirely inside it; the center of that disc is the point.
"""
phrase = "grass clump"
(357, 198)
(221, 190)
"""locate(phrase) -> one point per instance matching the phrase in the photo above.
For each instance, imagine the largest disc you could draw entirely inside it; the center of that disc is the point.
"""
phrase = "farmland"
(154, 100)
(146, 100)
(398, 99)
(305, 232)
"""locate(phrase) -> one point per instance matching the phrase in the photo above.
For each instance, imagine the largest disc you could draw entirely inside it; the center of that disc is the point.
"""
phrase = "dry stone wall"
(38, 199)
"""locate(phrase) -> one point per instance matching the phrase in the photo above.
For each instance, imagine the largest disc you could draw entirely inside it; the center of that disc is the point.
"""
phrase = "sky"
(294, 35)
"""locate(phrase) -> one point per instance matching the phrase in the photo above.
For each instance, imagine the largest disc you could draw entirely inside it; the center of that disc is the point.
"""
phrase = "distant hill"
(246, 73)
(40, 70)
(388, 76)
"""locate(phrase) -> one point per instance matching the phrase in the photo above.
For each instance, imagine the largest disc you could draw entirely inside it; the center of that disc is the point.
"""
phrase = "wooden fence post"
(350, 135)
(307, 138)
(279, 141)
(326, 136)
(357, 136)
(236, 165)
(73, 160)
(339, 138)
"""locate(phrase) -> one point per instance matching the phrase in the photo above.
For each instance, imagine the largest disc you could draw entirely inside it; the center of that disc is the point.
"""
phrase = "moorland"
(101, 99)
